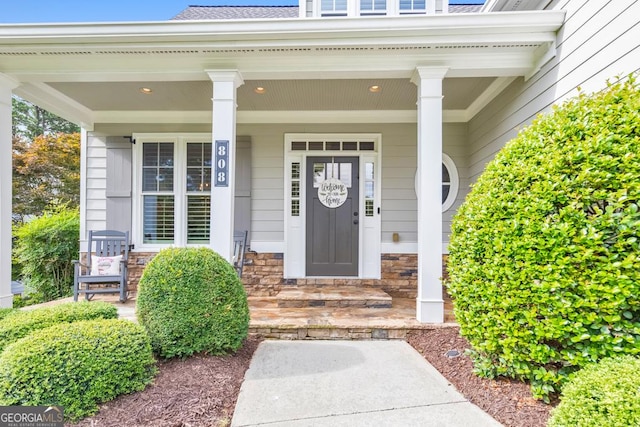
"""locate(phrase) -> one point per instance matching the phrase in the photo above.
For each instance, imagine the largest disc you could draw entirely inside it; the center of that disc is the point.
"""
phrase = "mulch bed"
(201, 391)
(509, 402)
(198, 391)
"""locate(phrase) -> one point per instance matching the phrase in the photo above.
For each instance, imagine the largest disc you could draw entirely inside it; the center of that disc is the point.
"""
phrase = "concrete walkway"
(349, 383)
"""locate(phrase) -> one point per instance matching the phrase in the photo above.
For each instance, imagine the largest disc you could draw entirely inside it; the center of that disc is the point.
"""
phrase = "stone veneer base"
(263, 274)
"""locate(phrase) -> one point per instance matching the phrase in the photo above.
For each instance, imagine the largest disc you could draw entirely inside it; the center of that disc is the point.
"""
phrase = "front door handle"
(355, 221)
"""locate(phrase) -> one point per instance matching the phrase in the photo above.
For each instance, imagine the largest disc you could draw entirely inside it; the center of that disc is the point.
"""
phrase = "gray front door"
(332, 222)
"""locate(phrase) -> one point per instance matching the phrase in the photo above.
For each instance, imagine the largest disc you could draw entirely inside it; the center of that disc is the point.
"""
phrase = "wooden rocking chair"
(105, 270)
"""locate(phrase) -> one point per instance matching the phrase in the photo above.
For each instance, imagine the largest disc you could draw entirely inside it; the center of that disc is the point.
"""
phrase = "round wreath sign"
(332, 193)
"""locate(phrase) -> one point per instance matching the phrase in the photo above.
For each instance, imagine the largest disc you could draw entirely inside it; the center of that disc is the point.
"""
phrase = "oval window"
(449, 182)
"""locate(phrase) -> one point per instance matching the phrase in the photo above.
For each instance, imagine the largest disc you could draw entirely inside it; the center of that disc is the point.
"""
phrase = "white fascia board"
(6, 81)
(543, 55)
(57, 103)
(370, 116)
(267, 117)
(85, 76)
(259, 117)
(174, 33)
(489, 94)
(467, 62)
(177, 116)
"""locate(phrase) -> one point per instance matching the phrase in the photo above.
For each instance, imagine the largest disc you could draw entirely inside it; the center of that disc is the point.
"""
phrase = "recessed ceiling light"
(260, 90)
(374, 88)
(146, 90)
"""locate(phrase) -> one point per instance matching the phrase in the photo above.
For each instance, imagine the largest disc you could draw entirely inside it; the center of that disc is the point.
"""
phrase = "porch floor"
(270, 321)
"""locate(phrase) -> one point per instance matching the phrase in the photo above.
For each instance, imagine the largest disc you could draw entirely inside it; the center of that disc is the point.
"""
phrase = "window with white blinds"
(158, 161)
(373, 7)
(198, 188)
(412, 6)
(333, 7)
(175, 191)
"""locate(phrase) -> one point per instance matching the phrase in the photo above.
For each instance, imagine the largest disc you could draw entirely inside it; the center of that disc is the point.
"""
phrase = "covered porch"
(284, 99)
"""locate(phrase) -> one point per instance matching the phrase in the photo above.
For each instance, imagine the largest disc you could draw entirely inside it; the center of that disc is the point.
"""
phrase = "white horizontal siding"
(598, 41)
(96, 183)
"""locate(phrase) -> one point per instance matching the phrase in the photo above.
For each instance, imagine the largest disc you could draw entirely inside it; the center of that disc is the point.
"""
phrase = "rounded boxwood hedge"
(545, 251)
(602, 394)
(191, 300)
(22, 322)
(76, 365)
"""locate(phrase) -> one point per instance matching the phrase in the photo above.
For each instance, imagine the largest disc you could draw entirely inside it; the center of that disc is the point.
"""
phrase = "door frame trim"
(369, 233)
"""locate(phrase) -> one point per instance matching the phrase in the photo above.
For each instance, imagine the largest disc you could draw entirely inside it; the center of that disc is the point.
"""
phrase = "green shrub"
(545, 252)
(23, 322)
(76, 365)
(45, 248)
(26, 300)
(191, 300)
(4, 312)
(604, 394)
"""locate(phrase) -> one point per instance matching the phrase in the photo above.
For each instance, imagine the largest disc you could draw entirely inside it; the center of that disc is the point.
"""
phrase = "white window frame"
(413, 10)
(179, 187)
(374, 11)
(454, 182)
(333, 12)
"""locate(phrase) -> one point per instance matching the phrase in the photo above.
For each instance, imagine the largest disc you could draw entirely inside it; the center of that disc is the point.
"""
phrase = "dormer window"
(412, 7)
(333, 7)
(373, 7)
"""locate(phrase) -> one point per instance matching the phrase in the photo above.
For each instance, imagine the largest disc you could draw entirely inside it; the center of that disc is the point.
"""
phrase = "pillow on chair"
(105, 265)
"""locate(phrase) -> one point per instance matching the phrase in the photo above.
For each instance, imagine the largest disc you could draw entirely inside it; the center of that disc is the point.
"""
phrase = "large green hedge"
(20, 323)
(4, 312)
(76, 365)
(191, 300)
(45, 248)
(604, 394)
(545, 251)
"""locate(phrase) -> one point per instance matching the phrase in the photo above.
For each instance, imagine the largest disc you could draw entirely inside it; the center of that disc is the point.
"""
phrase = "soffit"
(280, 95)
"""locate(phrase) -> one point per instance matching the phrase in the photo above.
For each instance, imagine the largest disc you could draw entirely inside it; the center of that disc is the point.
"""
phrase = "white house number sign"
(222, 164)
(332, 193)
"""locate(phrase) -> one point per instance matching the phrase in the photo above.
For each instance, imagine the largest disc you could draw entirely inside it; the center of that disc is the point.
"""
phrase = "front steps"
(333, 313)
(333, 297)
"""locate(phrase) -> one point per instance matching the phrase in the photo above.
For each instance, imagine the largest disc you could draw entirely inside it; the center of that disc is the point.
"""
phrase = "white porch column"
(429, 305)
(6, 86)
(225, 83)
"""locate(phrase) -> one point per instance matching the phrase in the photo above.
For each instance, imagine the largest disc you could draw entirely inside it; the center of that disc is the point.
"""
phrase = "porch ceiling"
(279, 95)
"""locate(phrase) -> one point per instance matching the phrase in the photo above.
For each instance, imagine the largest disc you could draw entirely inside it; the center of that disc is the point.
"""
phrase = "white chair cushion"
(105, 265)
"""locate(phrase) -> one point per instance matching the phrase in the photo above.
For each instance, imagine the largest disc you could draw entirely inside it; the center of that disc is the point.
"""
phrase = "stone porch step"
(333, 297)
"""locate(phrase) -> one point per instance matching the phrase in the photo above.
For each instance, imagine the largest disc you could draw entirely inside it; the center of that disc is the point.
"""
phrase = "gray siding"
(598, 41)
(96, 180)
(398, 175)
(261, 203)
(242, 208)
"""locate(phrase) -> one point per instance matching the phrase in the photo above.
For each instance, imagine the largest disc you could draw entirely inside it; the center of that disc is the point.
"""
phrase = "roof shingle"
(270, 12)
(237, 12)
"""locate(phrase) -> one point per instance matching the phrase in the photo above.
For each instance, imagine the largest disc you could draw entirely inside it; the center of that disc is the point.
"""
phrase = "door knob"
(355, 221)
